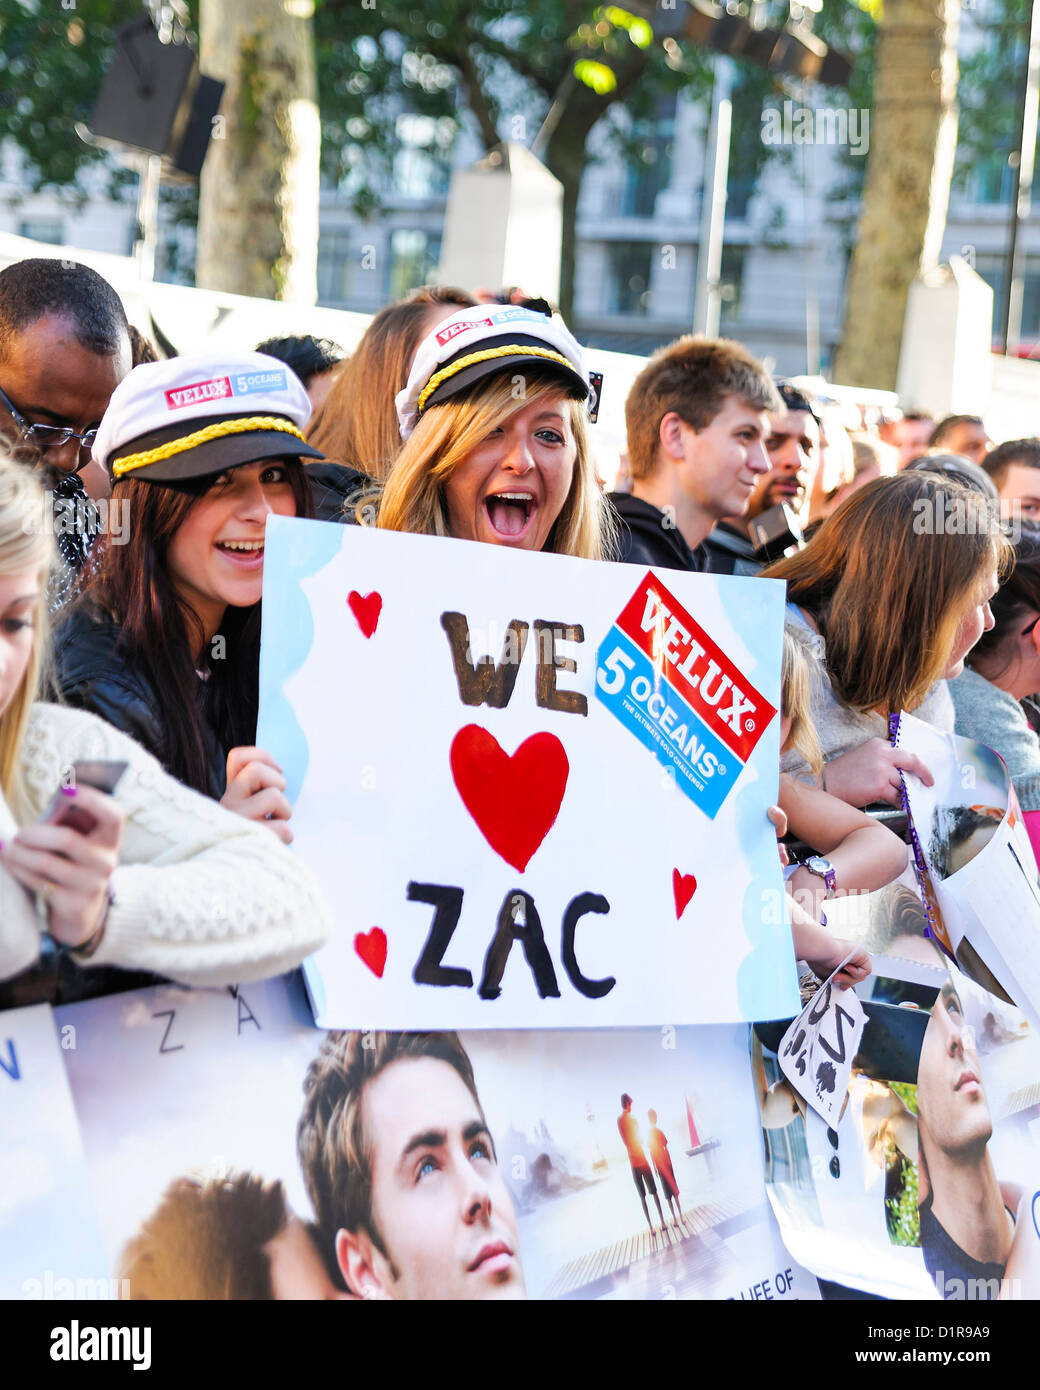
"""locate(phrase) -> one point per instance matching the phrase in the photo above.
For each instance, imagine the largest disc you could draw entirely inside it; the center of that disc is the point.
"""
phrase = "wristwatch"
(822, 868)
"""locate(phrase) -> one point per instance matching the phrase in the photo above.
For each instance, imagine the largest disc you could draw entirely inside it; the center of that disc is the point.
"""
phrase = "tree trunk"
(258, 207)
(566, 160)
(907, 185)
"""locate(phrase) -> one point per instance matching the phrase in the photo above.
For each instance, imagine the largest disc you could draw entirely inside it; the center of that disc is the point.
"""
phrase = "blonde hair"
(413, 497)
(25, 543)
(796, 703)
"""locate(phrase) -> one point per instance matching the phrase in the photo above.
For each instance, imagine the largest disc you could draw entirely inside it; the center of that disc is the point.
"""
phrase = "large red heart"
(371, 947)
(683, 886)
(366, 609)
(514, 800)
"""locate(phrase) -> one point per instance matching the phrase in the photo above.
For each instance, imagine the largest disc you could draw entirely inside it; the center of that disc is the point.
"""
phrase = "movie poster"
(926, 1182)
(976, 865)
(464, 754)
(236, 1151)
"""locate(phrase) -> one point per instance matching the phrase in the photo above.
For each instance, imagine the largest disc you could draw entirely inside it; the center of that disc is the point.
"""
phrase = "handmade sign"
(533, 788)
(817, 1051)
(975, 863)
(610, 1160)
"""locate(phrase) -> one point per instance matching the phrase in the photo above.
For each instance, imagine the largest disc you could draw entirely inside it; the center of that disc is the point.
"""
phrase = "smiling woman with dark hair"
(165, 641)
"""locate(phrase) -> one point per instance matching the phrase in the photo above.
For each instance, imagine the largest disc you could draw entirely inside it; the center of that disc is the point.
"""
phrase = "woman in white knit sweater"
(167, 880)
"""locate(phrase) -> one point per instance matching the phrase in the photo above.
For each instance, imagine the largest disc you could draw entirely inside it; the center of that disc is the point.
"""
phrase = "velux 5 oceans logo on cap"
(240, 384)
(661, 674)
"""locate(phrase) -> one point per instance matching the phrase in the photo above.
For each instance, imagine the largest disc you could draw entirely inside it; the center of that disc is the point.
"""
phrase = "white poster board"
(533, 788)
(50, 1243)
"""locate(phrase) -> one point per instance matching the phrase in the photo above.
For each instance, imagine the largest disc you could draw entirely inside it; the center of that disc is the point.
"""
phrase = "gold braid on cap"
(219, 430)
(486, 355)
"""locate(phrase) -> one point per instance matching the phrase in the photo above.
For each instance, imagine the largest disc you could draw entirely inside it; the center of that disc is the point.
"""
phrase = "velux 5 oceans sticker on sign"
(498, 850)
(661, 674)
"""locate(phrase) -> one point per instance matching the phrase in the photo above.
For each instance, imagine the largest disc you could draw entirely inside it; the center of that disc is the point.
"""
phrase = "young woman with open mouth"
(164, 642)
(496, 449)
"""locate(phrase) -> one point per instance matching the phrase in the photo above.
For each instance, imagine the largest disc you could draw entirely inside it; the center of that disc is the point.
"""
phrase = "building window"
(627, 288)
(420, 167)
(334, 266)
(993, 270)
(651, 173)
(413, 260)
(46, 229)
(731, 277)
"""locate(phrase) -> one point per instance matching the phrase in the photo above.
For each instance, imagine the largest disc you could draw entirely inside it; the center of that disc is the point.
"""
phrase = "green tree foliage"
(989, 97)
(904, 1224)
(504, 65)
(52, 60)
(512, 64)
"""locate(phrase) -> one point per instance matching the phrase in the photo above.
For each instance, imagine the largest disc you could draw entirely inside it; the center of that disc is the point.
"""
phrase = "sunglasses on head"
(45, 437)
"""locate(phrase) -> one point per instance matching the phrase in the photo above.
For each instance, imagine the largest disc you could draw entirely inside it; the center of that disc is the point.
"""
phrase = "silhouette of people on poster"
(662, 1161)
(642, 1173)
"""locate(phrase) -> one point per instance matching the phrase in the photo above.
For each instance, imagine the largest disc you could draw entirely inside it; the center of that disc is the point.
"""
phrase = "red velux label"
(700, 671)
(199, 391)
(454, 329)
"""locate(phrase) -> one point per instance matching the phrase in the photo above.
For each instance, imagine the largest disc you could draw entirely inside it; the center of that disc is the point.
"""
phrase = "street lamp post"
(707, 308)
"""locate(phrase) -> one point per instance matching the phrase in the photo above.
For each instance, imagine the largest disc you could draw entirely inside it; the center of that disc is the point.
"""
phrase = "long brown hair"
(357, 422)
(889, 582)
(161, 632)
(413, 497)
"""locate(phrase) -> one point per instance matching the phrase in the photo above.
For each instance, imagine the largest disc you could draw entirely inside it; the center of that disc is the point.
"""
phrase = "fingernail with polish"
(68, 791)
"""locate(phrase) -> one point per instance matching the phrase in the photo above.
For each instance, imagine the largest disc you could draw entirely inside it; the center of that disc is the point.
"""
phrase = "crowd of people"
(134, 495)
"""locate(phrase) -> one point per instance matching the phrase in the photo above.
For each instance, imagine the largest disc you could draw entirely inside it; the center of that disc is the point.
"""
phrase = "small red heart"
(371, 947)
(366, 610)
(683, 886)
(514, 800)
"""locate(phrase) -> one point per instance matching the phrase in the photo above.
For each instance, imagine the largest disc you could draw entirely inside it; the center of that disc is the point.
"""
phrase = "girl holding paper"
(157, 877)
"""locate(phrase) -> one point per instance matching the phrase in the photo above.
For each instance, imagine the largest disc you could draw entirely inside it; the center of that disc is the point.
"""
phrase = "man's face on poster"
(952, 1108)
(439, 1203)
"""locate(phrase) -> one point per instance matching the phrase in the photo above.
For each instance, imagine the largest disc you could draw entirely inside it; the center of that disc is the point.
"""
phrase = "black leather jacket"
(92, 672)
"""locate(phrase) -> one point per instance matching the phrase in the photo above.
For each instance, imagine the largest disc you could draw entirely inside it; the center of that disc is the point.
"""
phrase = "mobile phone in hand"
(102, 774)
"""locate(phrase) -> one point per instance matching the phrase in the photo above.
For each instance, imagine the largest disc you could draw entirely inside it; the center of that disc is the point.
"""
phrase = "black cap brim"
(520, 364)
(206, 460)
